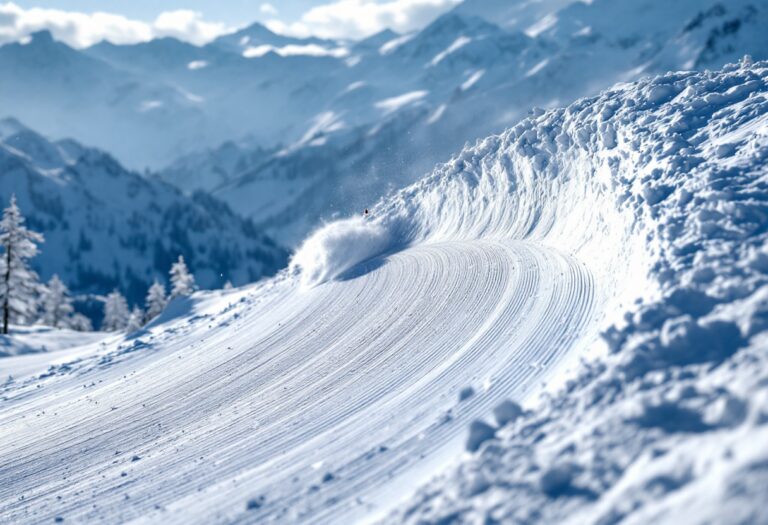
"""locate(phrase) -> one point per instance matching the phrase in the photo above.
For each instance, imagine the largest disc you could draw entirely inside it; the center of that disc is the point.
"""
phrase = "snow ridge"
(662, 185)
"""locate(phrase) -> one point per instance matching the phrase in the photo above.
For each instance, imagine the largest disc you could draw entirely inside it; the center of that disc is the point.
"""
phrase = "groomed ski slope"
(329, 393)
(357, 379)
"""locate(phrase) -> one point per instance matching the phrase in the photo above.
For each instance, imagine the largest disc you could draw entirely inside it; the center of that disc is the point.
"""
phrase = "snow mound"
(337, 247)
(659, 187)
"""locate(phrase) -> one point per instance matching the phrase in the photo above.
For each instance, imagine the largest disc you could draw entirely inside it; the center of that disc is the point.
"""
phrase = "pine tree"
(80, 323)
(57, 305)
(135, 320)
(228, 285)
(156, 301)
(182, 282)
(19, 284)
(116, 313)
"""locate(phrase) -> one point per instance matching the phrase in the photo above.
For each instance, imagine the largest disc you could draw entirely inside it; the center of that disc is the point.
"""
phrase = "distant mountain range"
(411, 100)
(106, 227)
(293, 131)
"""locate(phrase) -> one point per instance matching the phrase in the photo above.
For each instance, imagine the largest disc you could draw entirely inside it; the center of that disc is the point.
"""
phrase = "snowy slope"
(670, 426)
(37, 340)
(328, 393)
(107, 227)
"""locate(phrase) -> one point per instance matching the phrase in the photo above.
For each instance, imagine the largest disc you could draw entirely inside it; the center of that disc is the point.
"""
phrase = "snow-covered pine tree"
(156, 301)
(57, 305)
(182, 282)
(135, 320)
(80, 323)
(19, 284)
(116, 313)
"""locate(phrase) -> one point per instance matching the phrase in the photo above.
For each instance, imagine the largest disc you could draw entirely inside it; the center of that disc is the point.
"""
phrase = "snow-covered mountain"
(321, 127)
(628, 230)
(520, 15)
(413, 99)
(107, 227)
(256, 35)
(152, 102)
(65, 93)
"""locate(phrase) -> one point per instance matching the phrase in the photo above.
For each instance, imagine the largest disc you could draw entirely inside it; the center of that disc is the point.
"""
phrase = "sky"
(81, 23)
(231, 12)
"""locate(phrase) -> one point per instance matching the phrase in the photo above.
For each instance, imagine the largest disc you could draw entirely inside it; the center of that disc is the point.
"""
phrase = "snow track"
(316, 405)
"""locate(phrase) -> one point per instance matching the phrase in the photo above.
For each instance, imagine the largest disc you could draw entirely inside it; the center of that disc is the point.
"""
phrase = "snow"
(455, 46)
(373, 365)
(36, 341)
(571, 315)
(473, 79)
(393, 104)
(669, 425)
(197, 64)
(393, 44)
(334, 390)
(295, 50)
(338, 247)
(438, 114)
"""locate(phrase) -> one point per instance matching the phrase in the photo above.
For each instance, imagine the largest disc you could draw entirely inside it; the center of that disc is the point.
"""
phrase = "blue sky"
(231, 12)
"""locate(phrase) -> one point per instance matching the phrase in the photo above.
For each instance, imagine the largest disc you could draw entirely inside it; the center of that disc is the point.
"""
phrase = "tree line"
(25, 300)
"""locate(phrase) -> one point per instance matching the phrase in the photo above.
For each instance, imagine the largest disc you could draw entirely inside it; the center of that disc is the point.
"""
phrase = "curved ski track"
(322, 405)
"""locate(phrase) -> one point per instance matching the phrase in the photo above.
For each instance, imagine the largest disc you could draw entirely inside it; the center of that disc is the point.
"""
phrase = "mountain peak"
(455, 23)
(44, 37)
(10, 126)
(377, 40)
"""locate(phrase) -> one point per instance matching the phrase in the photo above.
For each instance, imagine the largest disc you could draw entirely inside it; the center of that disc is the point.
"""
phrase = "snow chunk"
(465, 393)
(507, 412)
(479, 433)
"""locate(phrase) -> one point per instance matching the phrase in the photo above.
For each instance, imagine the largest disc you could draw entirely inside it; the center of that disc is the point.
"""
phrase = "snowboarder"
(366, 214)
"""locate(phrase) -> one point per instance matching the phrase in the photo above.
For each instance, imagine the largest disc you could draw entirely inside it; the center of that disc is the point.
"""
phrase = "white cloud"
(187, 25)
(268, 9)
(337, 20)
(85, 29)
(361, 18)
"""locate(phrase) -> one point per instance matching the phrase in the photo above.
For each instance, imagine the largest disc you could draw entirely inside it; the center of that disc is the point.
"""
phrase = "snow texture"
(669, 426)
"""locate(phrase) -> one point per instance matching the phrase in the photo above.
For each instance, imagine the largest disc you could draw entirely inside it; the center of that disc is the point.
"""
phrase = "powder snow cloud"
(361, 18)
(85, 29)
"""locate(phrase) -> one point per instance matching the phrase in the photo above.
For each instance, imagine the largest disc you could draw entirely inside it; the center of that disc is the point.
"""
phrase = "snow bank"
(660, 188)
